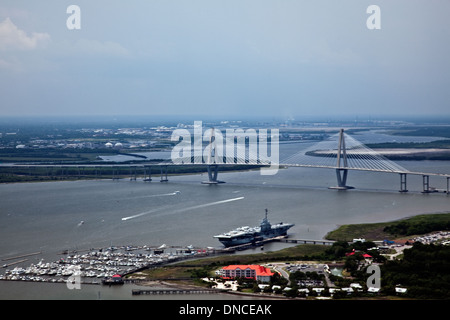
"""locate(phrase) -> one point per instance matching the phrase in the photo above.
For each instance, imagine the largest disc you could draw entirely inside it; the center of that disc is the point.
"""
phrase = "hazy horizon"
(144, 120)
(214, 59)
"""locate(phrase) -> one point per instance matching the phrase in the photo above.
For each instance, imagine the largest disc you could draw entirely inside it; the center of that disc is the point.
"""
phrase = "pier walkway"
(173, 291)
(306, 241)
(261, 243)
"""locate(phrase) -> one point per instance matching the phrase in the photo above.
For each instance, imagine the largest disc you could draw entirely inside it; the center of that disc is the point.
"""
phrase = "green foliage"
(419, 224)
(199, 273)
(336, 251)
(276, 279)
(255, 288)
(299, 275)
(339, 249)
(292, 293)
(423, 270)
(351, 264)
(408, 228)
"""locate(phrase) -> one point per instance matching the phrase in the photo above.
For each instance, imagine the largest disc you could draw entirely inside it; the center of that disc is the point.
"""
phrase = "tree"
(276, 279)
(267, 289)
(351, 264)
(292, 293)
(423, 270)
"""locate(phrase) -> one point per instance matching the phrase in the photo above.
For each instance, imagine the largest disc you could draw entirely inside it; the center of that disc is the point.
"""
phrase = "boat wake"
(184, 209)
(209, 204)
(140, 214)
(153, 195)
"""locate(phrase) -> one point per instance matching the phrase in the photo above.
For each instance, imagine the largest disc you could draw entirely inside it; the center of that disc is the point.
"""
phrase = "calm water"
(46, 216)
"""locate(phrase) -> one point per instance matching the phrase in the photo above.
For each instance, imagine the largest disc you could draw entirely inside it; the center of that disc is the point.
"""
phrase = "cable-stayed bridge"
(340, 152)
(343, 151)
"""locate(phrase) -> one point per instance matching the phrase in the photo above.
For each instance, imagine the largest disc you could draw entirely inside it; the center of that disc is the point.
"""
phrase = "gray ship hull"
(246, 235)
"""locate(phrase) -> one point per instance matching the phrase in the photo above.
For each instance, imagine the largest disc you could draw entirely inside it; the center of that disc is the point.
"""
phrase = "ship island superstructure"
(246, 234)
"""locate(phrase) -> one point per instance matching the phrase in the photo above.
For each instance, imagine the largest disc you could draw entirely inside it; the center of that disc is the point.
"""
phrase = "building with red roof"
(365, 255)
(256, 272)
(115, 279)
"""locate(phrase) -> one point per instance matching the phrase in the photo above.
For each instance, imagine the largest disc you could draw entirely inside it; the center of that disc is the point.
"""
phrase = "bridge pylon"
(341, 164)
(213, 167)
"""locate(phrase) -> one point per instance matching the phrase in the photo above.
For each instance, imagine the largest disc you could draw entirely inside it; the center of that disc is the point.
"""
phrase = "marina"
(102, 265)
(96, 265)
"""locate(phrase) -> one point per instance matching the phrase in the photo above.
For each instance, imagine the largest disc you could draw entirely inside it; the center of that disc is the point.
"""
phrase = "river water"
(45, 217)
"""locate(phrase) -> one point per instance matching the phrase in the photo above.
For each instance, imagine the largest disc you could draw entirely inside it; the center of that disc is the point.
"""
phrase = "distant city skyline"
(232, 59)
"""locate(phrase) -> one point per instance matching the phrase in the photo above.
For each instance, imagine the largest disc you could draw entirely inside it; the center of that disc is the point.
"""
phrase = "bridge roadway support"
(213, 171)
(403, 187)
(164, 174)
(341, 175)
(149, 173)
(133, 174)
(448, 185)
(114, 171)
(426, 184)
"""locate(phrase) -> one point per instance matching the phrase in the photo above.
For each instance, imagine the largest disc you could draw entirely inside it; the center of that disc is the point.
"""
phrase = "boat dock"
(306, 241)
(284, 239)
(172, 291)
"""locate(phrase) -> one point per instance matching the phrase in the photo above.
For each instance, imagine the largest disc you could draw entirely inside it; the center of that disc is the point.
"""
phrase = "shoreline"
(177, 284)
(125, 176)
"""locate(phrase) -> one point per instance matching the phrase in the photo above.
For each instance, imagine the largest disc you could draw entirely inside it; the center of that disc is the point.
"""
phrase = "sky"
(230, 58)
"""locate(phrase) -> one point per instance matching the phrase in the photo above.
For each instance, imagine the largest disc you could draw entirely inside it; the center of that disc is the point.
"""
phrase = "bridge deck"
(142, 165)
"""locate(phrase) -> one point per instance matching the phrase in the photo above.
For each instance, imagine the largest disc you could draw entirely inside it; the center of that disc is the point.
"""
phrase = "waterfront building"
(115, 279)
(256, 272)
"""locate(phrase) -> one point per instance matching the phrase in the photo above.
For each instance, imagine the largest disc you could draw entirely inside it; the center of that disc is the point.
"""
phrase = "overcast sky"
(228, 58)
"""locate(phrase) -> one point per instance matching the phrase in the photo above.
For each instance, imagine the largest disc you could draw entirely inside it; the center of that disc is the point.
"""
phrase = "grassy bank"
(387, 230)
(304, 251)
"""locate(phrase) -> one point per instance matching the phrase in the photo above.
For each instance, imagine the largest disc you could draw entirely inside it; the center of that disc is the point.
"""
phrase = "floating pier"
(172, 291)
(306, 241)
(284, 239)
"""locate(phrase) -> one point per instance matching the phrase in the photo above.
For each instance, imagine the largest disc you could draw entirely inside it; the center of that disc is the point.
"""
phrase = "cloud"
(12, 38)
